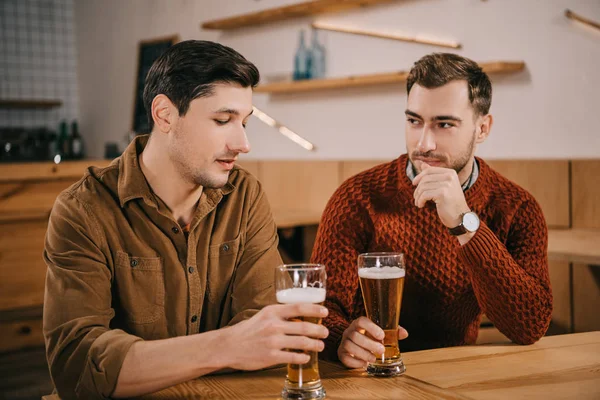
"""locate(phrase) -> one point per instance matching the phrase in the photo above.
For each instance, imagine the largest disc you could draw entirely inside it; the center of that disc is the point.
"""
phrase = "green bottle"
(63, 144)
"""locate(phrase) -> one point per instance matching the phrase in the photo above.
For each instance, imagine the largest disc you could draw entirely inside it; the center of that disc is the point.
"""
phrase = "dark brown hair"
(437, 69)
(189, 70)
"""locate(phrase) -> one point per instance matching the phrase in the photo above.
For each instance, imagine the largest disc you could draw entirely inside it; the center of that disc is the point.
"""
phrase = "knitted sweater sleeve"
(343, 234)
(511, 282)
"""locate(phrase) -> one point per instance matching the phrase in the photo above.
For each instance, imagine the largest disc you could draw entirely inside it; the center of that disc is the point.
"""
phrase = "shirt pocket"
(222, 260)
(140, 287)
(225, 249)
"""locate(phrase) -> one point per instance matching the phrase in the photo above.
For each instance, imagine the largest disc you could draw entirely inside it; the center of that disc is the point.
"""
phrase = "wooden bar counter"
(557, 367)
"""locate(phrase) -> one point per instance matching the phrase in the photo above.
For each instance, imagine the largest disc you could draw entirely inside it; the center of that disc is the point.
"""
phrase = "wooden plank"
(250, 166)
(351, 168)
(557, 367)
(293, 218)
(586, 297)
(560, 279)
(339, 383)
(21, 334)
(491, 335)
(303, 9)
(586, 193)
(546, 180)
(29, 200)
(566, 366)
(22, 268)
(29, 104)
(299, 187)
(389, 78)
(38, 171)
(574, 245)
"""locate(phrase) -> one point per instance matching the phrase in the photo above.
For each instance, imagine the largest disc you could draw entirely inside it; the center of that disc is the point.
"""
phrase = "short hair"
(190, 69)
(437, 69)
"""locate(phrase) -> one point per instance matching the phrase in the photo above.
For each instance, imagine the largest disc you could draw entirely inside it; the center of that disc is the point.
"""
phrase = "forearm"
(519, 303)
(154, 365)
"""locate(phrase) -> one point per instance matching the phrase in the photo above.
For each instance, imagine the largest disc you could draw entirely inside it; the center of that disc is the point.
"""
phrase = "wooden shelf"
(303, 9)
(26, 104)
(497, 67)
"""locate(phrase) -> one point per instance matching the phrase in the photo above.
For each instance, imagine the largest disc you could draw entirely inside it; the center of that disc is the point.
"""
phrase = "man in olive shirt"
(159, 264)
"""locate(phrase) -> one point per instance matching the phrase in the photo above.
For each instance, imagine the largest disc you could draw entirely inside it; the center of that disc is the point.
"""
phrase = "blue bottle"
(302, 60)
(317, 52)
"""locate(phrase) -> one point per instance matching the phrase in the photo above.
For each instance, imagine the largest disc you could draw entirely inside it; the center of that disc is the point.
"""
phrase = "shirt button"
(175, 230)
(191, 270)
(194, 319)
(134, 263)
(225, 247)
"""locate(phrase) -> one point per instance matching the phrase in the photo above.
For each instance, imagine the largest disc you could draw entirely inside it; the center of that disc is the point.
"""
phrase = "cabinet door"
(22, 268)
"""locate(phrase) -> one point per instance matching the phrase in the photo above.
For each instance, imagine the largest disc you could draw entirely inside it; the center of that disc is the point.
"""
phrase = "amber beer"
(382, 288)
(303, 377)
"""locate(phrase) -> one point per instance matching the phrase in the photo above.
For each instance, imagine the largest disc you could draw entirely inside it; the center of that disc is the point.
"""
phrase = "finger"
(425, 186)
(290, 357)
(426, 170)
(358, 352)
(301, 343)
(301, 310)
(363, 341)
(427, 195)
(305, 329)
(370, 327)
(350, 361)
(402, 333)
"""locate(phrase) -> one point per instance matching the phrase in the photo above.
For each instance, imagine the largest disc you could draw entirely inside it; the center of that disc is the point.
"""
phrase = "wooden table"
(557, 367)
(574, 245)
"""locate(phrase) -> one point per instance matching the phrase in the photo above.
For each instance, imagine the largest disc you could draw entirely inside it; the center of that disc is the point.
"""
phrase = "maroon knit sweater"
(502, 271)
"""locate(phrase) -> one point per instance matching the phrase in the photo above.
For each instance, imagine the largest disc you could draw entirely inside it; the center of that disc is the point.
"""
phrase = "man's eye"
(221, 122)
(412, 121)
(446, 125)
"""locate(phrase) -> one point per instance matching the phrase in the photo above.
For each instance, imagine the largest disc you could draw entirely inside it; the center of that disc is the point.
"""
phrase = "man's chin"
(214, 181)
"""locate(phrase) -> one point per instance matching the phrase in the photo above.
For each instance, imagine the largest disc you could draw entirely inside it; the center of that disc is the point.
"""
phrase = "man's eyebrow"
(231, 111)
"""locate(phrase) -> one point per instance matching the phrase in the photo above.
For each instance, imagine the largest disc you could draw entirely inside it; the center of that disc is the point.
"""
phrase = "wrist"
(219, 350)
(464, 239)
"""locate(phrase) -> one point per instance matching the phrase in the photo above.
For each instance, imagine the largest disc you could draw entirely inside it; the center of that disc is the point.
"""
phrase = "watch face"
(471, 221)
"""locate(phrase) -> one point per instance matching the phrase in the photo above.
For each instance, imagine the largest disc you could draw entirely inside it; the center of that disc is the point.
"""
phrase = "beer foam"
(381, 273)
(301, 295)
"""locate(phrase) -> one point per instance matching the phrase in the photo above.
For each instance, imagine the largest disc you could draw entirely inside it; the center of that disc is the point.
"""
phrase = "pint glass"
(302, 283)
(381, 277)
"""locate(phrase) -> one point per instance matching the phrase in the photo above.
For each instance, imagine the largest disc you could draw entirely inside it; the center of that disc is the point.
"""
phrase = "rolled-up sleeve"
(84, 355)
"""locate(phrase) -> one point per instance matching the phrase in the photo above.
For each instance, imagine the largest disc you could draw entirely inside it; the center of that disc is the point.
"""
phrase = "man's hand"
(357, 348)
(269, 338)
(441, 185)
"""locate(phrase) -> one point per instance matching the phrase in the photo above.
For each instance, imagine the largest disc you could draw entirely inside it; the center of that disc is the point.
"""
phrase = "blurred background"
(72, 71)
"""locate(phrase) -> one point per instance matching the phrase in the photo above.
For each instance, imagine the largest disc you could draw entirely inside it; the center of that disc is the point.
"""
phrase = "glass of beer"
(381, 277)
(302, 283)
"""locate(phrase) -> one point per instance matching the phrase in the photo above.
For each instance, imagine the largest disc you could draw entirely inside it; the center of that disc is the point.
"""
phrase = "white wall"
(548, 111)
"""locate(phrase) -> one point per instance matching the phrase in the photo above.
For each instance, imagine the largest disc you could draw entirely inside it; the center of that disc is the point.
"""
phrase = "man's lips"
(430, 161)
(227, 162)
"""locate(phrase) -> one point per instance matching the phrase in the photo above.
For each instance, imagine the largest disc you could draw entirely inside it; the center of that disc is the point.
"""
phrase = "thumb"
(402, 333)
(424, 165)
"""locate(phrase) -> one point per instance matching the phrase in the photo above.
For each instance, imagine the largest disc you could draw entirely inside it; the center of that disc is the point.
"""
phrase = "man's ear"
(164, 113)
(484, 126)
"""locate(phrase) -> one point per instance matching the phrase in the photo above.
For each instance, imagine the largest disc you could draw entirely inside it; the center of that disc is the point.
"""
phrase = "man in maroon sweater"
(474, 242)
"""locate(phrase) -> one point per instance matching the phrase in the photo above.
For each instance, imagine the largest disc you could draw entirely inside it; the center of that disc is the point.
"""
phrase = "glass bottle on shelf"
(317, 52)
(76, 142)
(63, 142)
(302, 60)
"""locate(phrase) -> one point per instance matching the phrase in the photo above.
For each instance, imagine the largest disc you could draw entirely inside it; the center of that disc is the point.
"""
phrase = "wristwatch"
(469, 224)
